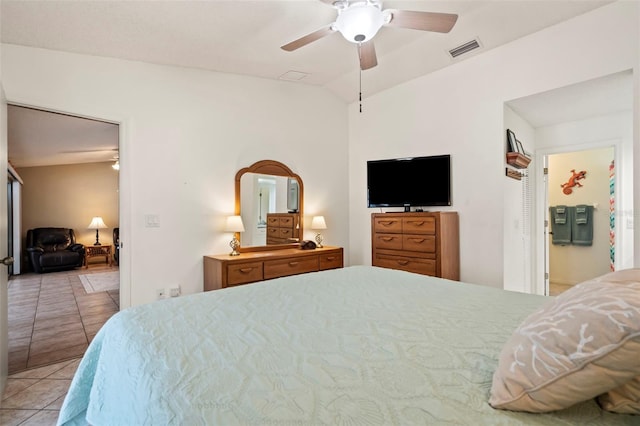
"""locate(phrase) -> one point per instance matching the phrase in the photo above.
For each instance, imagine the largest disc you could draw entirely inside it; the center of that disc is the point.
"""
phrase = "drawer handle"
(417, 223)
(403, 262)
(330, 258)
(245, 270)
(418, 240)
(387, 222)
(293, 263)
(387, 239)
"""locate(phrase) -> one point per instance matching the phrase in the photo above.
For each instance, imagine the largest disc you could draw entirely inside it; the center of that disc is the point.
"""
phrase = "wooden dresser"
(282, 228)
(422, 242)
(222, 270)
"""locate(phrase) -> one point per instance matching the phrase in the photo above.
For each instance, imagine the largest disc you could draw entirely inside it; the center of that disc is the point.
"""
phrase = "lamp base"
(234, 244)
(319, 240)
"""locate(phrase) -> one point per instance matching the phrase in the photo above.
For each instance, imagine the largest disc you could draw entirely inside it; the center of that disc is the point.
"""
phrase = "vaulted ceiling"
(244, 37)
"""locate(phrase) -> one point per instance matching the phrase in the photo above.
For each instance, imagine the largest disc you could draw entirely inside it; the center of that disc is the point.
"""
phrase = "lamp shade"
(318, 223)
(360, 22)
(97, 223)
(234, 224)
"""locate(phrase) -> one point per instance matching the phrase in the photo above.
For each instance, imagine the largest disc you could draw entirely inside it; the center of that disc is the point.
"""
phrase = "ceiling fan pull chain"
(360, 96)
(360, 82)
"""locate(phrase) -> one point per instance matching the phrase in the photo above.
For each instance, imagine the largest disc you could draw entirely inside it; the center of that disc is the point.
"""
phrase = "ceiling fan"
(359, 21)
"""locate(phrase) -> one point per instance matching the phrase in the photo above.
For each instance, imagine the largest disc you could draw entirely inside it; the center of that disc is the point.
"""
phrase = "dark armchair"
(53, 249)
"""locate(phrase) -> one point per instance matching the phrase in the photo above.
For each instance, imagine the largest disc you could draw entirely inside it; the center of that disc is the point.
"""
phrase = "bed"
(359, 345)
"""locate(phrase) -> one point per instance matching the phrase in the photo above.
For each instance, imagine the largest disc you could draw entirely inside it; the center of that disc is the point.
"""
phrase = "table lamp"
(318, 223)
(235, 225)
(97, 223)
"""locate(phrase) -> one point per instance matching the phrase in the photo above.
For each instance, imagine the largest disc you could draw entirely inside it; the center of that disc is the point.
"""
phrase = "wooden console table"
(97, 251)
(222, 270)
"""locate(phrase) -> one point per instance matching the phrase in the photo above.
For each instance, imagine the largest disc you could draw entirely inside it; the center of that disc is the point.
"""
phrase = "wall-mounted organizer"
(516, 157)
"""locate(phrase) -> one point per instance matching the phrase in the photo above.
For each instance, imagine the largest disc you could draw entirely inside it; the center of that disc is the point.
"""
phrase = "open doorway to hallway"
(588, 115)
(66, 164)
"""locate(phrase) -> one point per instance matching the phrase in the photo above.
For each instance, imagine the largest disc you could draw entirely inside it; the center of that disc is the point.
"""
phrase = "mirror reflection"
(269, 199)
(269, 209)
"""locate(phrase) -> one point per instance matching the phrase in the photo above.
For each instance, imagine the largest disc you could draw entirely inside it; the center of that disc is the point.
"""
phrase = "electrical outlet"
(160, 293)
(175, 291)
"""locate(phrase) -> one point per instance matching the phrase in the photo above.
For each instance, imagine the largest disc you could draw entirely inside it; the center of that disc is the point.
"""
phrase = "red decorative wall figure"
(573, 181)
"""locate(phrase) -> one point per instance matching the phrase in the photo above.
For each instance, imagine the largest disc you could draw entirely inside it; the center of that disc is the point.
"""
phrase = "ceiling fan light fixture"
(360, 22)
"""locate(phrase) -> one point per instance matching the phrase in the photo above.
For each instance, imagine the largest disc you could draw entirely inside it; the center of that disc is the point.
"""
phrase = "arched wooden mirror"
(269, 197)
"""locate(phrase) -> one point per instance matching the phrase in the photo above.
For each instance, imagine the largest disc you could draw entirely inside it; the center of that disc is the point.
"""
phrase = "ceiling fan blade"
(367, 53)
(424, 21)
(309, 38)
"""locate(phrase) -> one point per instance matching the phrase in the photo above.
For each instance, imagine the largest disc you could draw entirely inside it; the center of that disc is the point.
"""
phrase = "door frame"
(541, 283)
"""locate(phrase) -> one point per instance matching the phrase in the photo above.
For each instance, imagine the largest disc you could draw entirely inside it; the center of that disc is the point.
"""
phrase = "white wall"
(186, 133)
(459, 110)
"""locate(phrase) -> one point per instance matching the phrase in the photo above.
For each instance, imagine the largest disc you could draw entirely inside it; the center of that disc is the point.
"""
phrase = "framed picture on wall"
(511, 141)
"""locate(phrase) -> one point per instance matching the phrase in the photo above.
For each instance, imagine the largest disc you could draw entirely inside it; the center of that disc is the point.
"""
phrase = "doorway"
(592, 114)
(65, 162)
(581, 201)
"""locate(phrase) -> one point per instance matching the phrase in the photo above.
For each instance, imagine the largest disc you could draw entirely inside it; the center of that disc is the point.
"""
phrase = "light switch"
(151, 221)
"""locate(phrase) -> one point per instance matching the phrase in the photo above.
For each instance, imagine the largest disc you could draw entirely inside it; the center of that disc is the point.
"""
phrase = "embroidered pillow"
(579, 345)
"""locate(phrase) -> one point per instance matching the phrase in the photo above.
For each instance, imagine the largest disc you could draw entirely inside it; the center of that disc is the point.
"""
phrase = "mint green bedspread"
(358, 345)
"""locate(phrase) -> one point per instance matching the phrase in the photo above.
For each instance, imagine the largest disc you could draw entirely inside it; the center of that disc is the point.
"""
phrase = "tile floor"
(34, 397)
(52, 320)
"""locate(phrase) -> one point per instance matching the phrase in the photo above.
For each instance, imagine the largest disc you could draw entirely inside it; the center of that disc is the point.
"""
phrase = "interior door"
(4, 246)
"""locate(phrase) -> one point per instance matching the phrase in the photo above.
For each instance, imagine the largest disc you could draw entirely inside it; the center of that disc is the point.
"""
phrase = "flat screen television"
(409, 182)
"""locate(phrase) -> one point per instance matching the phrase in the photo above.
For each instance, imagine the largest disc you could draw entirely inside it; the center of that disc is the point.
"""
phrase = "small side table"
(97, 251)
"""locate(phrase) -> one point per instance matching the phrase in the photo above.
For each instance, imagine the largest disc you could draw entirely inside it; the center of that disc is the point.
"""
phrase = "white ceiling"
(244, 37)
(602, 96)
(41, 138)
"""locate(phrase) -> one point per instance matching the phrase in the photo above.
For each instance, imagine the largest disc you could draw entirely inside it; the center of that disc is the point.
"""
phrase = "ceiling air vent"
(464, 48)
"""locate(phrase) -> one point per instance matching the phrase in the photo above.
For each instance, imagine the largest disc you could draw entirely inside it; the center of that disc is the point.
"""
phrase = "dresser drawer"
(330, 261)
(422, 225)
(273, 232)
(286, 232)
(273, 220)
(391, 224)
(244, 273)
(421, 243)
(284, 267)
(388, 241)
(410, 264)
(286, 222)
